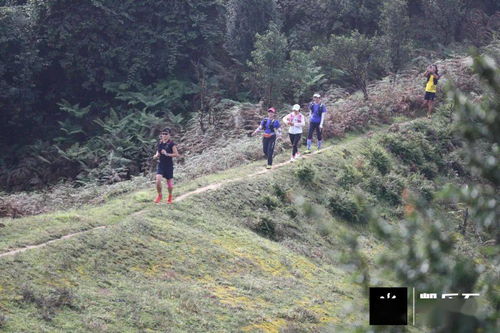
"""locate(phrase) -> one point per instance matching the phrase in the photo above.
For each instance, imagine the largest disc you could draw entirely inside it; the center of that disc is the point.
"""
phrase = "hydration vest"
(292, 115)
(321, 109)
(271, 124)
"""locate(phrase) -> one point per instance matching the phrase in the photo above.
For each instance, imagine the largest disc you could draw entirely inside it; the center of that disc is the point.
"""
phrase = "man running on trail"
(432, 76)
(317, 113)
(296, 121)
(166, 151)
(271, 128)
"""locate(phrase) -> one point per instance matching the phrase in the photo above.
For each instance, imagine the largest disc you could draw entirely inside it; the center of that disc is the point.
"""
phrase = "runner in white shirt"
(295, 121)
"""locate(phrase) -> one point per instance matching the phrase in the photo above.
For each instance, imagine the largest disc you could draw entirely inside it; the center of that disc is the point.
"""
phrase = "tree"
(355, 54)
(479, 125)
(245, 20)
(302, 74)
(19, 65)
(425, 252)
(360, 15)
(446, 17)
(395, 24)
(268, 65)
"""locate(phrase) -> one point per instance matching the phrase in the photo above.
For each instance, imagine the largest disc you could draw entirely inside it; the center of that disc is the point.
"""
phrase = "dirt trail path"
(210, 187)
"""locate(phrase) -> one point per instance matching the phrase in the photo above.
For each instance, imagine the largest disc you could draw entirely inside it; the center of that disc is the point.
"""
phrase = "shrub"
(305, 173)
(308, 209)
(409, 151)
(387, 188)
(266, 228)
(3, 320)
(325, 227)
(292, 212)
(429, 170)
(270, 202)
(424, 187)
(279, 192)
(348, 208)
(348, 176)
(378, 159)
(48, 304)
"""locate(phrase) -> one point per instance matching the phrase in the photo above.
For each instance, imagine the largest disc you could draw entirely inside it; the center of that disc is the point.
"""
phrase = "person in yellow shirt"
(432, 76)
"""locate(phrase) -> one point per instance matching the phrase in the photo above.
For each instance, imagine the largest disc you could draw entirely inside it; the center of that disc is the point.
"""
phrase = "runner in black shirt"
(166, 151)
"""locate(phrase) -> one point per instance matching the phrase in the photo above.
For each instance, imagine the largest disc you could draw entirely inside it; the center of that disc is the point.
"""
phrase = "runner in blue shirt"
(317, 112)
(271, 129)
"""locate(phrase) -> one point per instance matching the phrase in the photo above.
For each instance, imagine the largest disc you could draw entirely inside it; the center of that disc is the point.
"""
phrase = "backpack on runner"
(321, 108)
(264, 123)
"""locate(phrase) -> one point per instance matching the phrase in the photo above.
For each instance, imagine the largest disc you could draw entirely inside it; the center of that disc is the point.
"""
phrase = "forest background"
(86, 85)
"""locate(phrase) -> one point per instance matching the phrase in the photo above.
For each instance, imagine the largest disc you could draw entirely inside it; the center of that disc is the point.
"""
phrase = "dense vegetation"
(290, 256)
(84, 85)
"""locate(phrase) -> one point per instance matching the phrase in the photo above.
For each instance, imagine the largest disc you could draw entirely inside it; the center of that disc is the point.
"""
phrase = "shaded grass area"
(34, 230)
(181, 269)
(266, 254)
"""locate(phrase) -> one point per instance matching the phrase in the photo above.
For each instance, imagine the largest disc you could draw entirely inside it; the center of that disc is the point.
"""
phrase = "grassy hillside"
(225, 143)
(272, 252)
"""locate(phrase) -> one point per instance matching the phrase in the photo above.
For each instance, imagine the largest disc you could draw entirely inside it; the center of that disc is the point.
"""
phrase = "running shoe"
(298, 155)
(268, 167)
(158, 198)
(169, 200)
(308, 151)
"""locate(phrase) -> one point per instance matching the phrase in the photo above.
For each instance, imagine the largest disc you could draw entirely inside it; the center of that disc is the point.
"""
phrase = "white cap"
(317, 95)
(296, 107)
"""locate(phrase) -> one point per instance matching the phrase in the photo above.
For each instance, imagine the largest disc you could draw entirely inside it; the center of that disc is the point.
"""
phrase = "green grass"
(258, 254)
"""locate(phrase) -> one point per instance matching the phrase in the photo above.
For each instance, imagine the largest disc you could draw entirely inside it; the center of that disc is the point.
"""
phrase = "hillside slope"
(265, 251)
(224, 142)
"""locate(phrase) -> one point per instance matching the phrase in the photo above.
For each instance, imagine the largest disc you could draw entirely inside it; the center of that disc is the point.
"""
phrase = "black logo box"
(389, 306)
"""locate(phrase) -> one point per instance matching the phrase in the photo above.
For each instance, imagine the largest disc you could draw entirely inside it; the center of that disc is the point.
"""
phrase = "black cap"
(166, 130)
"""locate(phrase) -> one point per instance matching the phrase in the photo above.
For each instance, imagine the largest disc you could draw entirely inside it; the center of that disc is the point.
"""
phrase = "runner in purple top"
(272, 130)
(317, 112)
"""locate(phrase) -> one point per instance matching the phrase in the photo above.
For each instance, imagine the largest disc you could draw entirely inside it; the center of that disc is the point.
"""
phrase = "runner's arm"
(175, 152)
(322, 118)
(257, 130)
(286, 119)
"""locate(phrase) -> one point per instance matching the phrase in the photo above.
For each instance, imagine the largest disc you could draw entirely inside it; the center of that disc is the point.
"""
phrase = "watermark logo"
(388, 306)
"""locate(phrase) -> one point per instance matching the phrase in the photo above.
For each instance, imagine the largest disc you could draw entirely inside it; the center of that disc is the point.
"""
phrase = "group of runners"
(295, 121)
(271, 128)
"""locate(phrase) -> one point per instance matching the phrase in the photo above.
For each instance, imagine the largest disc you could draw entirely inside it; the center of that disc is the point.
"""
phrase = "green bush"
(325, 227)
(270, 202)
(348, 208)
(423, 187)
(419, 148)
(429, 170)
(292, 212)
(408, 151)
(3, 320)
(266, 228)
(378, 159)
(387, 188)
(348, 176)
(305, 173)
(279, 192)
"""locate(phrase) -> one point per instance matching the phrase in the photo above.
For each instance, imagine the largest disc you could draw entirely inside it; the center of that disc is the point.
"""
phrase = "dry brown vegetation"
(225, 143)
